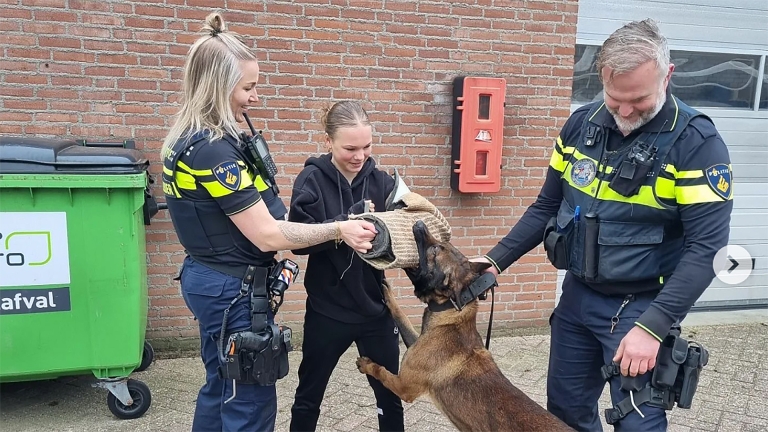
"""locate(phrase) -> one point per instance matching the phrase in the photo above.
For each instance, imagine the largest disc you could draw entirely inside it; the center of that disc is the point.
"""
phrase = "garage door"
(719, 48)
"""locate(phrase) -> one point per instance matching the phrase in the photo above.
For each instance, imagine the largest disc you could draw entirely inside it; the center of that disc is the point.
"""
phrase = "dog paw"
(363, 364)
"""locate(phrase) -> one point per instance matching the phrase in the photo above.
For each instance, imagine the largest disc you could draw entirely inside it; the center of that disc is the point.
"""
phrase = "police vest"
(203, 229)
(618, 219)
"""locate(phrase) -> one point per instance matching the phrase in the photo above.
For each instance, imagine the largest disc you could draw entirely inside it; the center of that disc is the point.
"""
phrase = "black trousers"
(325, 340)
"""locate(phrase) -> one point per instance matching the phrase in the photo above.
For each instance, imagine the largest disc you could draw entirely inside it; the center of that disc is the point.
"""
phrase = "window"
(484, 107)
(715, 80)
(700, 79)
(586, 83)
(764, 91)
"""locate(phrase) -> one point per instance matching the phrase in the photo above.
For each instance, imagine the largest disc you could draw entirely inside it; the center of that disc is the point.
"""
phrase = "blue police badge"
(583, 172)
(228, 174)
(719, 179)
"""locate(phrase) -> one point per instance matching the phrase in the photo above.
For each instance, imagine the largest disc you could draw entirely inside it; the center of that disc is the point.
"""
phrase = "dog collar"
(478, 286)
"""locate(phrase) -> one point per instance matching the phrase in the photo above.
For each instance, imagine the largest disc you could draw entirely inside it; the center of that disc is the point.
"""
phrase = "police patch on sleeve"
(228, 174)
(583, 172)
(719, 178)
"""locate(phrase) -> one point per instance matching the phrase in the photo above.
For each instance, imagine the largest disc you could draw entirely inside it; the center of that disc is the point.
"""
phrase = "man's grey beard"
(627, 127)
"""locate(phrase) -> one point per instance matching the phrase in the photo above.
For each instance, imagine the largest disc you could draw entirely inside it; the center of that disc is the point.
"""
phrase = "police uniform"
(636, 221)
(205, 182)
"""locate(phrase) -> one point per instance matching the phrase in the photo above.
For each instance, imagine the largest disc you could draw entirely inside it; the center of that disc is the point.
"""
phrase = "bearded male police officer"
(636, 203)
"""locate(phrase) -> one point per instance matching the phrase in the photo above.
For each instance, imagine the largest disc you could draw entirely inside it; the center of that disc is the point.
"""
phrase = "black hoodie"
(322, 194)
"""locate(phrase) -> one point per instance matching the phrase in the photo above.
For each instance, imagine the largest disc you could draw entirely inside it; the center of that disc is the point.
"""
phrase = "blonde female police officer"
(216, 200)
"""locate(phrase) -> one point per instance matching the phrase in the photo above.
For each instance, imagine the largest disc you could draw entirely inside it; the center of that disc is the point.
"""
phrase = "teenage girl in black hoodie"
(344, 297)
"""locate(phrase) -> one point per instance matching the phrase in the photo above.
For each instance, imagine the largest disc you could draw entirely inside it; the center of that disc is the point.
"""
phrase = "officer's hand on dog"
(491, 269)
(637, 352)
(358, 234)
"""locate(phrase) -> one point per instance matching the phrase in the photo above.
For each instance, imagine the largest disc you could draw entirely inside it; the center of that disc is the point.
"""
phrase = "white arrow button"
(733, 264)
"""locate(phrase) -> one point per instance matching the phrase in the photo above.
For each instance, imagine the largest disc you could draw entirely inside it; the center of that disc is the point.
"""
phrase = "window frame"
(754, 112)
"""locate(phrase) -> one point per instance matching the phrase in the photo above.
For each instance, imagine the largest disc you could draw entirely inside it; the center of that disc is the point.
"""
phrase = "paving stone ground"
(731, 396)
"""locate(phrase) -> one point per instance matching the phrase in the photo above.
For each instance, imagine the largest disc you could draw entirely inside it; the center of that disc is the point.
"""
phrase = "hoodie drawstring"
(341, 197)
(341, 200)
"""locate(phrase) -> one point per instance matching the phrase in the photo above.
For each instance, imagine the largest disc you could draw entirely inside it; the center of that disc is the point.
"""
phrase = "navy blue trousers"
(582, 343)
(325, 340)
(207, 293)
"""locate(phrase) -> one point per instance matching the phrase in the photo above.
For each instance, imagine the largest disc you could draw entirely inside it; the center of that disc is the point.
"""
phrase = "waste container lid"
(21, 155)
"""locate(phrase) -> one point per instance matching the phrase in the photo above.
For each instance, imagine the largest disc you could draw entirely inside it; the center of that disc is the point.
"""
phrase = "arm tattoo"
(307, 234)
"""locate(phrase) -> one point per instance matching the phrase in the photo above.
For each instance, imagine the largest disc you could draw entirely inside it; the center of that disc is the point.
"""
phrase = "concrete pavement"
(731, 394)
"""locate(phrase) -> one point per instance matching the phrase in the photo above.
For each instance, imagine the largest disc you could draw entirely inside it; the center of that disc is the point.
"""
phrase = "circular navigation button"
(733, 264)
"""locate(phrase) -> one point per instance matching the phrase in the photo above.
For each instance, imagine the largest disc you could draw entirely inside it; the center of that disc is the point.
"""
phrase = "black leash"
(490, 319)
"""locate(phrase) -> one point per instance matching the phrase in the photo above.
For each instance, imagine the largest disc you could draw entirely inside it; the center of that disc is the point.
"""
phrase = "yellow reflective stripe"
(696, 194)
(186, 168)
(563, 148)
(245, 181)
(690, 174)
(684, 174)
(217, 189)
(600, 167)
(245, 178)
(259, 183)
(665, 188)
(556, 161)
(645, 197)
(588, 189)
(185, 181)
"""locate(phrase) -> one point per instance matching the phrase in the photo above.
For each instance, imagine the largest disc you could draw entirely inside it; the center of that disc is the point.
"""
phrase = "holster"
(259, 355)
(591, 248)
(672, 354)
(697, 357)
(556, 245)
(674, 380)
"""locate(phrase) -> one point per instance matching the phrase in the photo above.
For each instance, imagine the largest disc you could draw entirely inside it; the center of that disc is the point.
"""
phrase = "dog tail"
(407, 332)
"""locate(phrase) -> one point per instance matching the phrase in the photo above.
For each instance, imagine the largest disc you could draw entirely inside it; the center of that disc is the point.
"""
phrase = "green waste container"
(73, 272)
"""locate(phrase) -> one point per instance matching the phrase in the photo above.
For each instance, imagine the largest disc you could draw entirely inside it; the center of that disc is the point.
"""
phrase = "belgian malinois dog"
(448, 360)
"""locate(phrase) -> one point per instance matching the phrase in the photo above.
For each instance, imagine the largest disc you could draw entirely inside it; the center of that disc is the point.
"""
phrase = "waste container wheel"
(141, 396)
(147, 356)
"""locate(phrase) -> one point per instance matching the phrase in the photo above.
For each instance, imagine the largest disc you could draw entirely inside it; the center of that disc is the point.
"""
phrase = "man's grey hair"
(631, 46)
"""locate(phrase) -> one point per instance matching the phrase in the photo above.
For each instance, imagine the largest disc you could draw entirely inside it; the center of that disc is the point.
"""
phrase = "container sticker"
(24, 301)
(33, 249)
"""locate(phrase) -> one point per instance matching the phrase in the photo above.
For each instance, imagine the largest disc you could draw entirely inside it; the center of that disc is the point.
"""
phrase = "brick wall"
(111, 70)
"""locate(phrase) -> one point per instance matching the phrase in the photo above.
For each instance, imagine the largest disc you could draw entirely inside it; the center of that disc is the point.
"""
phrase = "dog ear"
(479, 267)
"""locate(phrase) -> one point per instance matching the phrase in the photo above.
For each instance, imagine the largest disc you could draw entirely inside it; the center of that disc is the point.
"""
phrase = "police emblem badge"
(228, 174)
(583, 172)
(719, 179)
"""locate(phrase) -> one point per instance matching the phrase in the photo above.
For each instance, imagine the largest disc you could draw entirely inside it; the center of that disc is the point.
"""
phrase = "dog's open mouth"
(421, 236)
(423, 277)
